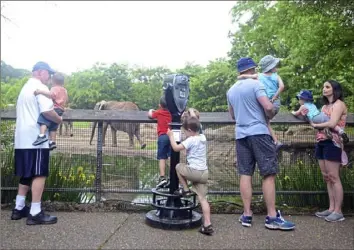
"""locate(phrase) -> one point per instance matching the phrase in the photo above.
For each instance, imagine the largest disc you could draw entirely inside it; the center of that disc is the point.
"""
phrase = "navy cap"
(245, 63)
(44, 66)
(305, 95)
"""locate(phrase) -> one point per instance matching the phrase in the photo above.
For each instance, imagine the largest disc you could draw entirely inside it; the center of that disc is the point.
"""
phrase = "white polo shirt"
(28, 109)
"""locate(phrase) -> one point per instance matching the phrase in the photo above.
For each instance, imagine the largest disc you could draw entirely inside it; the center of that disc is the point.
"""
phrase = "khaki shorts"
(199, 178)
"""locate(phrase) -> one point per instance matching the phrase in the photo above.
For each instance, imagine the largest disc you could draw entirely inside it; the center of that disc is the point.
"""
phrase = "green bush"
(75, 176)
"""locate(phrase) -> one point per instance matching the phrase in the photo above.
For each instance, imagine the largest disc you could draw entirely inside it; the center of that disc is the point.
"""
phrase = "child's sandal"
(182, 192)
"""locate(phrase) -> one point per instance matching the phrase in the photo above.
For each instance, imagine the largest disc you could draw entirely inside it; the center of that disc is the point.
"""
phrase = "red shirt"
(163, 118)
(59, 96)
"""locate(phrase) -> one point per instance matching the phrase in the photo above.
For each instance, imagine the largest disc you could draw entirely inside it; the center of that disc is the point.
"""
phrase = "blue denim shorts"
(326, 150)
(50, 125)
(163, 147)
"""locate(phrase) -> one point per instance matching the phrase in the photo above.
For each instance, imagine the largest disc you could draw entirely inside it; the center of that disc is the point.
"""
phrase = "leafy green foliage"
(314, 39)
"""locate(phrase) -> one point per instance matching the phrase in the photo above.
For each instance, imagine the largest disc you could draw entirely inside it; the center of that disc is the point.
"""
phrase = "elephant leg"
(60, 128)
(131, 139)
(66, 128)
(105, 126)
(71, 129)
(137, 135)
(114, 136)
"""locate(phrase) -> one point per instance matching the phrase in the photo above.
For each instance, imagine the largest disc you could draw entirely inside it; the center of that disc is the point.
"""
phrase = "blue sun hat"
(245, 63)
(268, 62)
(305, 95)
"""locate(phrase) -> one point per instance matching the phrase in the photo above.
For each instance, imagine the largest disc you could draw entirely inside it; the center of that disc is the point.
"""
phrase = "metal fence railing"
(82, 173)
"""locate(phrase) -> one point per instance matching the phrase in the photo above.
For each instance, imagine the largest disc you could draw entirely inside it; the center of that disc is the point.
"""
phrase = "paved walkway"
(116, 230)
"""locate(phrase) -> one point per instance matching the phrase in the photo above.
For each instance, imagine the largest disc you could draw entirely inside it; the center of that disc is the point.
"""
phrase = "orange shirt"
(59, 96)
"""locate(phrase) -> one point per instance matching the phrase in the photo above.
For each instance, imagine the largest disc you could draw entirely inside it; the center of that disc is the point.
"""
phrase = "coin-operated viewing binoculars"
(176, 92)
(172, 211)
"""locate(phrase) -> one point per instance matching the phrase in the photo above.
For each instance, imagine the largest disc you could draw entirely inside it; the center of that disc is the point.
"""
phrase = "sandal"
(182, 192)
(207, 230)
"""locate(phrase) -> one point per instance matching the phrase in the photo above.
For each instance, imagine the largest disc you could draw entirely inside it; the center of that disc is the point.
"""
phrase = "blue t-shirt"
(249, 113)
(312, 110)
(270, 83)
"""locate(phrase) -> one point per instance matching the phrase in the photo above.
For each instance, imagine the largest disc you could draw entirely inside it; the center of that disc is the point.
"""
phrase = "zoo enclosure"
(123, 171)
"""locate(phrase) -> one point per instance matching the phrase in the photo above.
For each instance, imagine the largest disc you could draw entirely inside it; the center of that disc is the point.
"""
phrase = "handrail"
(141, 116)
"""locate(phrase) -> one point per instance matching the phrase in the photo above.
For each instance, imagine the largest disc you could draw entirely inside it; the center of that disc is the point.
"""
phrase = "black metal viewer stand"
(172, 211)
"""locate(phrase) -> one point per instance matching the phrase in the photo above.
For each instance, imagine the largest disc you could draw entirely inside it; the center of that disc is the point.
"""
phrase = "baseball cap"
(245, 63)
(44, 66)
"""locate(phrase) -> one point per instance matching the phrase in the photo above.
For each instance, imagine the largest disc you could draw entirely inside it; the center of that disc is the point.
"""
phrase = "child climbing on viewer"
(196, 169)
(163, 117)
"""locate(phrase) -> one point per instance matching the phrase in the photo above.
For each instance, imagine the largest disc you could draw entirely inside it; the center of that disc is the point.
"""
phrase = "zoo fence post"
(99, 161)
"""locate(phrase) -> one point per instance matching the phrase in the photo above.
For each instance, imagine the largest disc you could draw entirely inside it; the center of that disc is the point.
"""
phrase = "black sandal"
(207, 230)
(183, 193)
(345, 138)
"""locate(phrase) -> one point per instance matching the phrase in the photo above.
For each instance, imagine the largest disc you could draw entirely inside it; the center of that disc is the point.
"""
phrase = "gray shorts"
(258, 149)
(276, 106)
(320, 118)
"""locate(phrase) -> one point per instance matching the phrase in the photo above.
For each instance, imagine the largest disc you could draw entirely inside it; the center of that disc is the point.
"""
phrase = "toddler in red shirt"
(163, 117)
(59, 95)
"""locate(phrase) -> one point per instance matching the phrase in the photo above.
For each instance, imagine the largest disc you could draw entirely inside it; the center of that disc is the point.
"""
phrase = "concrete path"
(79, 230)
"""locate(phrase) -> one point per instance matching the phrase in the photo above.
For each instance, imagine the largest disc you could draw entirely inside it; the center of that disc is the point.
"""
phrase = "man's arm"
(338, 109)
(52, 116)
(267, 106)
(46, 108)
(231, 112)
(262, 98)
(176, 147)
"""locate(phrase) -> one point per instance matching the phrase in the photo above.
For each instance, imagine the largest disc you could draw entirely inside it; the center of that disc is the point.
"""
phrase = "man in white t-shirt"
(32, 162)
(196, 169)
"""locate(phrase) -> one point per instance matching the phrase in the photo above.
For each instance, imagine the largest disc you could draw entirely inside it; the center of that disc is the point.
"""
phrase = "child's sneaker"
(246, 221)
(40, 140)
(278, 145)
(162, 182)
(278, 222)
(345, 138)
(207, 230)
(52, 145)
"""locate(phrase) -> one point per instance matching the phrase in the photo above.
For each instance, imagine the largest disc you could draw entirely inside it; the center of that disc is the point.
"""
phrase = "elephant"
(130, 128)
(68, 126)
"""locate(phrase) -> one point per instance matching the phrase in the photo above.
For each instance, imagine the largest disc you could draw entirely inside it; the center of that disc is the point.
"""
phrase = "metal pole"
(99, 161)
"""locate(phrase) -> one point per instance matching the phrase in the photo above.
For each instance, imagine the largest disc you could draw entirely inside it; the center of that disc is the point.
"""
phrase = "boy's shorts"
(276, 106)
(163, 147)
(50, 125)
(199, 178)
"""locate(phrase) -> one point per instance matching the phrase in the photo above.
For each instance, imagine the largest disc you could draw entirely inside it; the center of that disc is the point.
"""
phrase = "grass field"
(82, 124)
